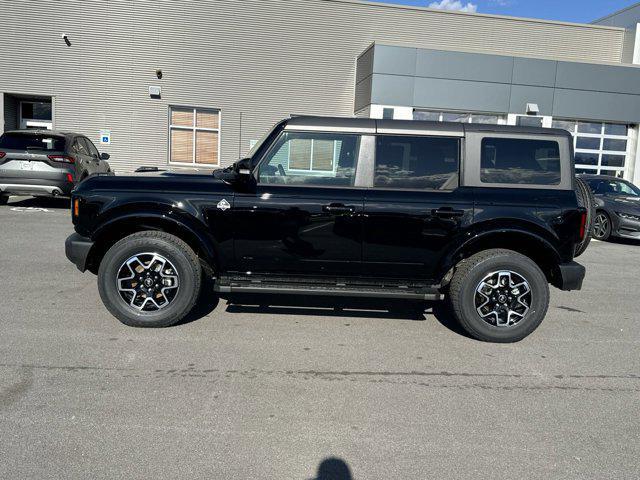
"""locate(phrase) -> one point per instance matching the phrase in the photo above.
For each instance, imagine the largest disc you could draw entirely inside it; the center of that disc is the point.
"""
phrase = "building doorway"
(35, 114)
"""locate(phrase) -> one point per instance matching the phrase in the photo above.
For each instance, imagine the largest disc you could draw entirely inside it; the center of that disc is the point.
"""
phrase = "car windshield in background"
(613, 187)
(25, 141)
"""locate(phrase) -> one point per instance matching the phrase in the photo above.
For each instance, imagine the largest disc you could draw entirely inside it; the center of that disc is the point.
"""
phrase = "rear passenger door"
(84, 161)
(98, 166)
(416, 207)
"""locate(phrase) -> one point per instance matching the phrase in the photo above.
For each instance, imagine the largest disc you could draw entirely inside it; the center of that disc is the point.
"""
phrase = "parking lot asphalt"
(275, 391)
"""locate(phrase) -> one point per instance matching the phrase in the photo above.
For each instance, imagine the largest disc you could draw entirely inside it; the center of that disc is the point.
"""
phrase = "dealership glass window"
(419, 163)
(323, 159)
(518, 161)
(463, 117)
(600, 147)
(194, 136)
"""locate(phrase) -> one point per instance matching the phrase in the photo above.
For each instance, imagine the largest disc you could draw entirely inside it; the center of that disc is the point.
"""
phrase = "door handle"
(447, 212)
(338, 208)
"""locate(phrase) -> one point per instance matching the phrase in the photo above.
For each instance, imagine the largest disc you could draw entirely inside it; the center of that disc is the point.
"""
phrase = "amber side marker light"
(76, 207)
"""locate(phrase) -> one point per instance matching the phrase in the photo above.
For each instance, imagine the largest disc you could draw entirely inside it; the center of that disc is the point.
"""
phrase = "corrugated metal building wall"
(262, 59)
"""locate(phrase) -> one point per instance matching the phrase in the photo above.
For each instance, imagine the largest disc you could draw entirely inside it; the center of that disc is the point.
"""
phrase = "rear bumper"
(571, 276)
(45, 183)
(77, 249)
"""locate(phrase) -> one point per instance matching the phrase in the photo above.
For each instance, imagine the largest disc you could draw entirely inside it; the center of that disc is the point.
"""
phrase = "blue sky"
(583, 11)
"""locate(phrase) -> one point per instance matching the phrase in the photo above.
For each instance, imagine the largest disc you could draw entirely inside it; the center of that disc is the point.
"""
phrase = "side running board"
(353, 287)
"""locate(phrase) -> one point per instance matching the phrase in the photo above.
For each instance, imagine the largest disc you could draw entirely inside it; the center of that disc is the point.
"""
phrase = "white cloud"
(454, 5)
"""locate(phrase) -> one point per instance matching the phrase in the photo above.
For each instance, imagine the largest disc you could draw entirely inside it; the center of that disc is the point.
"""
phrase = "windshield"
(614, 187)
(29, 141)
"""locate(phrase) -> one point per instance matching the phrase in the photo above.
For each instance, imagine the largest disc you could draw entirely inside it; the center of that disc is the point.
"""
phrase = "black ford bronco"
(482, 216)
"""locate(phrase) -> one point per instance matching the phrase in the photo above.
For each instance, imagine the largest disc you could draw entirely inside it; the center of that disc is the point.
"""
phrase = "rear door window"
(25, 141)
(80, 147)
(93, 151)
(417, 162)
(520, 161)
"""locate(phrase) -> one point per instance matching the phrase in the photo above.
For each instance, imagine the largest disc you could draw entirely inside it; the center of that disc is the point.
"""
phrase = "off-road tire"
(173, 249)
(468, 275)
(587, 201)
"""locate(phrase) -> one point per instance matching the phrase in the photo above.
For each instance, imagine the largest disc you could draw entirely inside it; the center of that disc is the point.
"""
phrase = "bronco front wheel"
(149, 279)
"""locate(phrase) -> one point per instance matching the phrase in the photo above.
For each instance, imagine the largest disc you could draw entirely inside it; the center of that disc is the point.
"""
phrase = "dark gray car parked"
(617, 204)
(45, 162)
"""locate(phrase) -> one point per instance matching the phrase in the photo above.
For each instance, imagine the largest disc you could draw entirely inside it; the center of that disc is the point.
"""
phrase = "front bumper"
(77, 249)
(627, 228)
(571, 276)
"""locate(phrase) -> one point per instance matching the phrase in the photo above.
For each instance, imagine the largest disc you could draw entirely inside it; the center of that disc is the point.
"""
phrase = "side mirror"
(243, 167)
(105, 156)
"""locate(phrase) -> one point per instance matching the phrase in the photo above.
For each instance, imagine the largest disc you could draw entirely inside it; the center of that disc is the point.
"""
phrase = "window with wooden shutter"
(194, 136)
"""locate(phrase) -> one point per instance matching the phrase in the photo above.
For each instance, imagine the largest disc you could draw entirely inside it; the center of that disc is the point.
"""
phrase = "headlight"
(628, 216)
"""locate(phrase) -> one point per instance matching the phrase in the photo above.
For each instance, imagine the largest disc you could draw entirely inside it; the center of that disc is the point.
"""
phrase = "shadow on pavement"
(207, 303)
(326, 306)
(52, 203)
(333, 468)
(624, 241)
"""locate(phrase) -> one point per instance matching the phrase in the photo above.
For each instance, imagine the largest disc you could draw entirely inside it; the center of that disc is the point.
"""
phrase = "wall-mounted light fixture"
(65, 37)
(155, 91)
(533, 109)
(159, 74)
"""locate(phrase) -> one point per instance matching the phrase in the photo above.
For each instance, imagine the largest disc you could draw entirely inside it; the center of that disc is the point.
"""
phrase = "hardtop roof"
(318, 122)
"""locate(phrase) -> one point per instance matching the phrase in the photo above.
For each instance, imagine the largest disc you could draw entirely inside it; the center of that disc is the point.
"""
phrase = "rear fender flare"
(526, 242)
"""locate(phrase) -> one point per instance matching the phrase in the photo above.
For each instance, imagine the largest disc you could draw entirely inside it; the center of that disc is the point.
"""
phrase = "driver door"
(305, 215)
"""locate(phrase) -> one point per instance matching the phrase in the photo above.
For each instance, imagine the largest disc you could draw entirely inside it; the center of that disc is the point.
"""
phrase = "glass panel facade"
(464, 117)
(598, 145)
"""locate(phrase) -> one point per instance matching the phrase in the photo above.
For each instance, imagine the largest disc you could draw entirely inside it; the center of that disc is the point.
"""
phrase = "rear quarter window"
(520, 161)
(21, 141)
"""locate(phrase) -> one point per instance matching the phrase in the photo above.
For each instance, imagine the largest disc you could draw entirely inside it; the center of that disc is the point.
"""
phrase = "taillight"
(2, 154)
(583, 225)
(62, 158)
(69, 178)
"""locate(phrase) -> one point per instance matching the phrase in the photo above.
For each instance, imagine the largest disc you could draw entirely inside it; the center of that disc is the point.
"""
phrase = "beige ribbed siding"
(259, 59)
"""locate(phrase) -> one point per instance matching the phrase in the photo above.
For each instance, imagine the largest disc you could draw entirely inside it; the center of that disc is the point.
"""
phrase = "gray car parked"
(45, 162)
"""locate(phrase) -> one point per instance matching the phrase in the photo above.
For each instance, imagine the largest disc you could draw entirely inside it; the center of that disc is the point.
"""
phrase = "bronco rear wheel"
(150, 279)
(499, 296)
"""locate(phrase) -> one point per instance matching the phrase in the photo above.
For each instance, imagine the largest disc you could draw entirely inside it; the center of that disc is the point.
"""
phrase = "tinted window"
(589, 143)
(312, 159)
(80, 147)
(613, 187)
(93, 151)
(520, 161)
(417, 162)
(21, 141)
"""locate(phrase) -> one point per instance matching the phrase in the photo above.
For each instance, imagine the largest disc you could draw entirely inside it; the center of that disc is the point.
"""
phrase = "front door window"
(313, 159)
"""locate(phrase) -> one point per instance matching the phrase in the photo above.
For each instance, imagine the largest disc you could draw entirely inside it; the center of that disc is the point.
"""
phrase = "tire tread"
(462, 271)
(141, 239)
